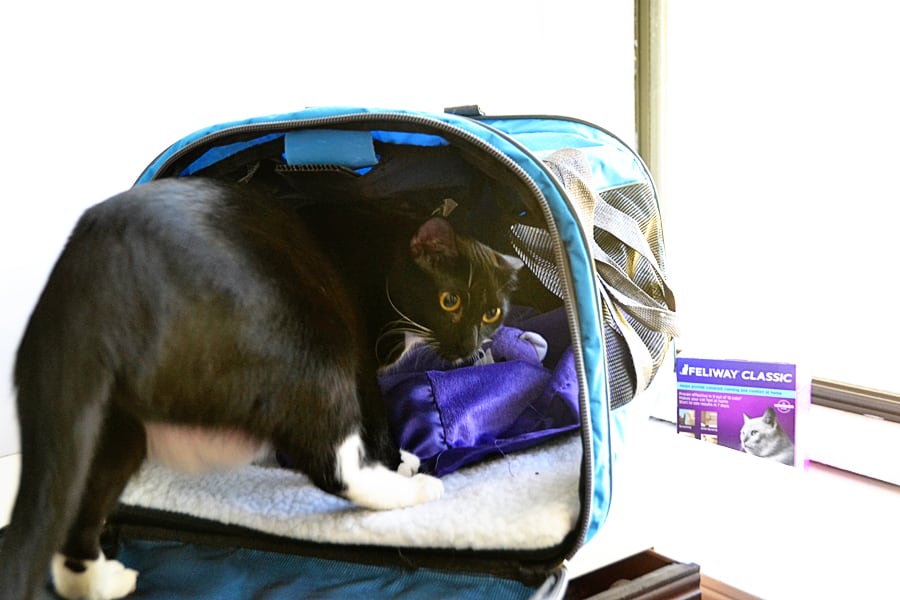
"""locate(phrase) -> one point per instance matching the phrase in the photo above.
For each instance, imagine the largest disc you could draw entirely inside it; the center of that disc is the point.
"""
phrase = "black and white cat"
(764, 437)
(198, 323)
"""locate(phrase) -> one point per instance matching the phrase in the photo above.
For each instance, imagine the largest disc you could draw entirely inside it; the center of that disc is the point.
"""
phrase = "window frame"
(852, 401)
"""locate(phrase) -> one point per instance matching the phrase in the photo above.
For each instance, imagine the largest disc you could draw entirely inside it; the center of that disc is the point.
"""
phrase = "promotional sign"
(748, 406)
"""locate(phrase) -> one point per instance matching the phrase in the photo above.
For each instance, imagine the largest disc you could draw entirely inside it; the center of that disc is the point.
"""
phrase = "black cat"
(199, 323)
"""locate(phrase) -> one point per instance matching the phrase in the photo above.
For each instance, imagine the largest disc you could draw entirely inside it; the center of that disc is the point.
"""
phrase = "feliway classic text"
(743, 374)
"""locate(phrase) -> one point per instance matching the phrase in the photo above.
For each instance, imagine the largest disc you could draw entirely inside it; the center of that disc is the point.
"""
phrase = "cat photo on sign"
(764, 436)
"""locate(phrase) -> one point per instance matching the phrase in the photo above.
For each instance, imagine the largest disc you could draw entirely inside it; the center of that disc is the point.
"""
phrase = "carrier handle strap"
(633, 299)
(641, 360)
(626, 229)
(571, 168)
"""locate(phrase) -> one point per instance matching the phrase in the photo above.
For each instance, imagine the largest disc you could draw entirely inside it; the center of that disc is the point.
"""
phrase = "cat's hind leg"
(81, 570)
(372, 485)
(341, 442)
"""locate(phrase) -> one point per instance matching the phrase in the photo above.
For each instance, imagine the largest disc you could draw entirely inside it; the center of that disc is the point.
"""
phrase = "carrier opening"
(521, 461)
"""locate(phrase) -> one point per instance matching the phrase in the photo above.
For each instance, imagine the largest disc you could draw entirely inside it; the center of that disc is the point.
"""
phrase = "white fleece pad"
(523, 501)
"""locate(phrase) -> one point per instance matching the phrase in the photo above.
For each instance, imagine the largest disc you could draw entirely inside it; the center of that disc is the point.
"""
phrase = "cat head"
(456, 290)
(760, 434)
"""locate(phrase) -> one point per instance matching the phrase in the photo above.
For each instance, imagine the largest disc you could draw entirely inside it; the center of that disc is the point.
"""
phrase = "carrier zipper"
(560, 257)
(562, 263)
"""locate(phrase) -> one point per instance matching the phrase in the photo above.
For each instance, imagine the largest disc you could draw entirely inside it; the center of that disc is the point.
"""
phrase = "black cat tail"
(62, 393)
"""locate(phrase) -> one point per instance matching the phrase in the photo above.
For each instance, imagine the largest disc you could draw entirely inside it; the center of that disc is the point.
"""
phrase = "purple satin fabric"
(451, 417)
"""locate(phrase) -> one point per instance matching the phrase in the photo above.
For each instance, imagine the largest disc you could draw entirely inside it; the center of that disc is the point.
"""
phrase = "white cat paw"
(429, 488)
(409, 464)
(101, 580)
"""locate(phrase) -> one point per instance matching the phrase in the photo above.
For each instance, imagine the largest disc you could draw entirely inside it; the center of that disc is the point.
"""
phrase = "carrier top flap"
(509, 148)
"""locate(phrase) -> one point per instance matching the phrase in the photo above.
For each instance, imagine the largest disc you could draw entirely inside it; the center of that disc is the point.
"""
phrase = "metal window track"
(856, 399)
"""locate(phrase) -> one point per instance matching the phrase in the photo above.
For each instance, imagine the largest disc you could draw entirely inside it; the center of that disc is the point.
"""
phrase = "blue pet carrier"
(578, 207)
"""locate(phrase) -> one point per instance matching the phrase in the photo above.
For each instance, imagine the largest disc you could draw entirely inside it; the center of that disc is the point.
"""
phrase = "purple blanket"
(453, 416)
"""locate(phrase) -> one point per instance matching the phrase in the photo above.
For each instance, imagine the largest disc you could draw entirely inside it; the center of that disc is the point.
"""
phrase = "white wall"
(93, 91)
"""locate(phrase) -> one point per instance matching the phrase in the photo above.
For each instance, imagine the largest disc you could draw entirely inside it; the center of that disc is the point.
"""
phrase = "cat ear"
(513, 263)
(746, 418)
(434, 239)
(769, 416)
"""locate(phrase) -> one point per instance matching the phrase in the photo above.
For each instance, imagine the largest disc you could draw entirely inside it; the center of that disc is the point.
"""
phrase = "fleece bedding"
(527, 501)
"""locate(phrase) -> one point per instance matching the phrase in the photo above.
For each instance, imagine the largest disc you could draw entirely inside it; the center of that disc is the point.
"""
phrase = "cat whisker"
(391, 356)
(403, 325)
(405, 328)
(405, 319)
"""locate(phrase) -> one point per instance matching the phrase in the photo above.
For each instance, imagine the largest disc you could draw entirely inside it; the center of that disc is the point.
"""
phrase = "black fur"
(201, 303)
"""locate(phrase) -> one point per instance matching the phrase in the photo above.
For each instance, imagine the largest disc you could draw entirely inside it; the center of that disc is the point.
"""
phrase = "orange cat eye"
(491, 316)
(450, 301)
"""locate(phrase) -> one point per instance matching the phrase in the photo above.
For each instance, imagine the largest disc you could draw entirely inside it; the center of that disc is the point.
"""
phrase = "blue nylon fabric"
(612, 162)
(302, 115)
(624, 168)
(179, 571)
(353, 149)
(411, 139)
(219, 153)
(151, 170)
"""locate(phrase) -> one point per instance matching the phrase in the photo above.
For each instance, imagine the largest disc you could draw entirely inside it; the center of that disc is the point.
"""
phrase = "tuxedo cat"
(200, 323)
(763, 436)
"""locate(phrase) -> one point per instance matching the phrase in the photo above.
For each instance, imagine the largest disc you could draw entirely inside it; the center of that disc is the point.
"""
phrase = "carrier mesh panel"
(638, 201)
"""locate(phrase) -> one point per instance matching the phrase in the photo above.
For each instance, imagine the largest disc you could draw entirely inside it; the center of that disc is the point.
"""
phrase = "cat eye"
(491, 316)
(450, 301)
